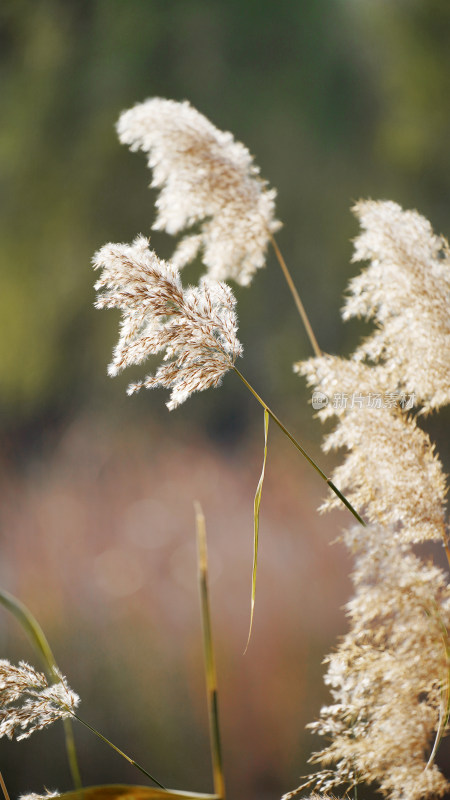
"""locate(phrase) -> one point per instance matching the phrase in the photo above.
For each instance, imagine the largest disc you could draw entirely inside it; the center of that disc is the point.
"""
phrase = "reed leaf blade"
(208, 653)
(129, 792)
(256, 507)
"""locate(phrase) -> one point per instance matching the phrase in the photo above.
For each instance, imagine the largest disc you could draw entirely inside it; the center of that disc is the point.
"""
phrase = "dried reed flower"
(34, 796)
(390, 469)
(196, 326)
(389, 677)
(206, 178)
(28, 702)
(343, 381)
(406, 290)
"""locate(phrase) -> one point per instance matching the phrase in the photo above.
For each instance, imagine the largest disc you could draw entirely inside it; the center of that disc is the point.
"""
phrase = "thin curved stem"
(120, 752)
(3, 787)
(296, 296)
(296, 444)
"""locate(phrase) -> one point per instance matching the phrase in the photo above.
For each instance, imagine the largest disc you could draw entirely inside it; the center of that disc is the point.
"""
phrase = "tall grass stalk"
(209, 658)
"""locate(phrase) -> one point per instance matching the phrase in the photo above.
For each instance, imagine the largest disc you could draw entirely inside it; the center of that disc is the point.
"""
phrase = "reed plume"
(206, 180)
(196, 327)
(29, 703)
(406, 291)
(389, 677)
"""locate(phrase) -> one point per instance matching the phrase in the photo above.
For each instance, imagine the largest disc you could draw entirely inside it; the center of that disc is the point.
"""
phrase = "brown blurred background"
(337, 100)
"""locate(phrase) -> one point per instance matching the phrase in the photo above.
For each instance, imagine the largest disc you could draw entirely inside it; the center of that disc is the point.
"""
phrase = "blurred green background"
(337, 100)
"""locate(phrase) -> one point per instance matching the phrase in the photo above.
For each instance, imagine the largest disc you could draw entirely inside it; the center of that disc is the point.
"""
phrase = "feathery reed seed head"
(205, 178)
(390, 468)
(406, 290)
(196, 327)
(390, 675)
(28, 702)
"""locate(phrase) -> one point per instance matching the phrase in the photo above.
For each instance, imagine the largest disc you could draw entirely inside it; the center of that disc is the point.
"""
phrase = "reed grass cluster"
(389, 676)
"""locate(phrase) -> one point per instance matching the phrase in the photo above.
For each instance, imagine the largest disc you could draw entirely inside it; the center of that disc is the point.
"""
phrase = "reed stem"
(208, 653)
(296, 296)
(117, 749)
(296, 444)
(3, 787)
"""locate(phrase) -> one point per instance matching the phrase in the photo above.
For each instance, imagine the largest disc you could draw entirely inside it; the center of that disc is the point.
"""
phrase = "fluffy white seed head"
(206, 179)
(28, 702)
(389, 676)
(195, 327)
(406, 290)
(390, 470)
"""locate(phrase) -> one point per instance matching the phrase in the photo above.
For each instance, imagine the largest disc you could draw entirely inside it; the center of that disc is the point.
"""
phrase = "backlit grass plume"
(406, 290)
(206, 179)
(390, 675)
(28, 702)
(390, 469)
(196, 327)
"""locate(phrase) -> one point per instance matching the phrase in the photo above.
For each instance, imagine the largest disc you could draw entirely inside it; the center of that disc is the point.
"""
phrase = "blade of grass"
(127, 792)
(296, 444)
(208, 653)
(37, 636)
(32, 628)
(256, 506)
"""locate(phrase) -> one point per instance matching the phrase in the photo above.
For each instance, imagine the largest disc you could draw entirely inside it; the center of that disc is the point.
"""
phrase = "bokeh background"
(336, 99)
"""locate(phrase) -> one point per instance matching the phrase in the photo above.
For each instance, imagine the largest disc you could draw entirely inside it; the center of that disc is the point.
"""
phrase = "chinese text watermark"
(340, 400)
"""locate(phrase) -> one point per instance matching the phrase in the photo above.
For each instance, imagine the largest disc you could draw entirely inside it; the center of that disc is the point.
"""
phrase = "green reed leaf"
(208, 654)
(256, 506)
(125, 792)
(32, 628)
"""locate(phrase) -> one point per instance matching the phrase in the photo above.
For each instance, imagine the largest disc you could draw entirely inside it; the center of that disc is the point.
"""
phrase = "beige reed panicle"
(406, 291)
(196, 327)
(208, 182)
(390, 675)
(29, 703)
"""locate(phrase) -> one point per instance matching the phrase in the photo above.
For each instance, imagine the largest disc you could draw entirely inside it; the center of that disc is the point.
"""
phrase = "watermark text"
(343, 400)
